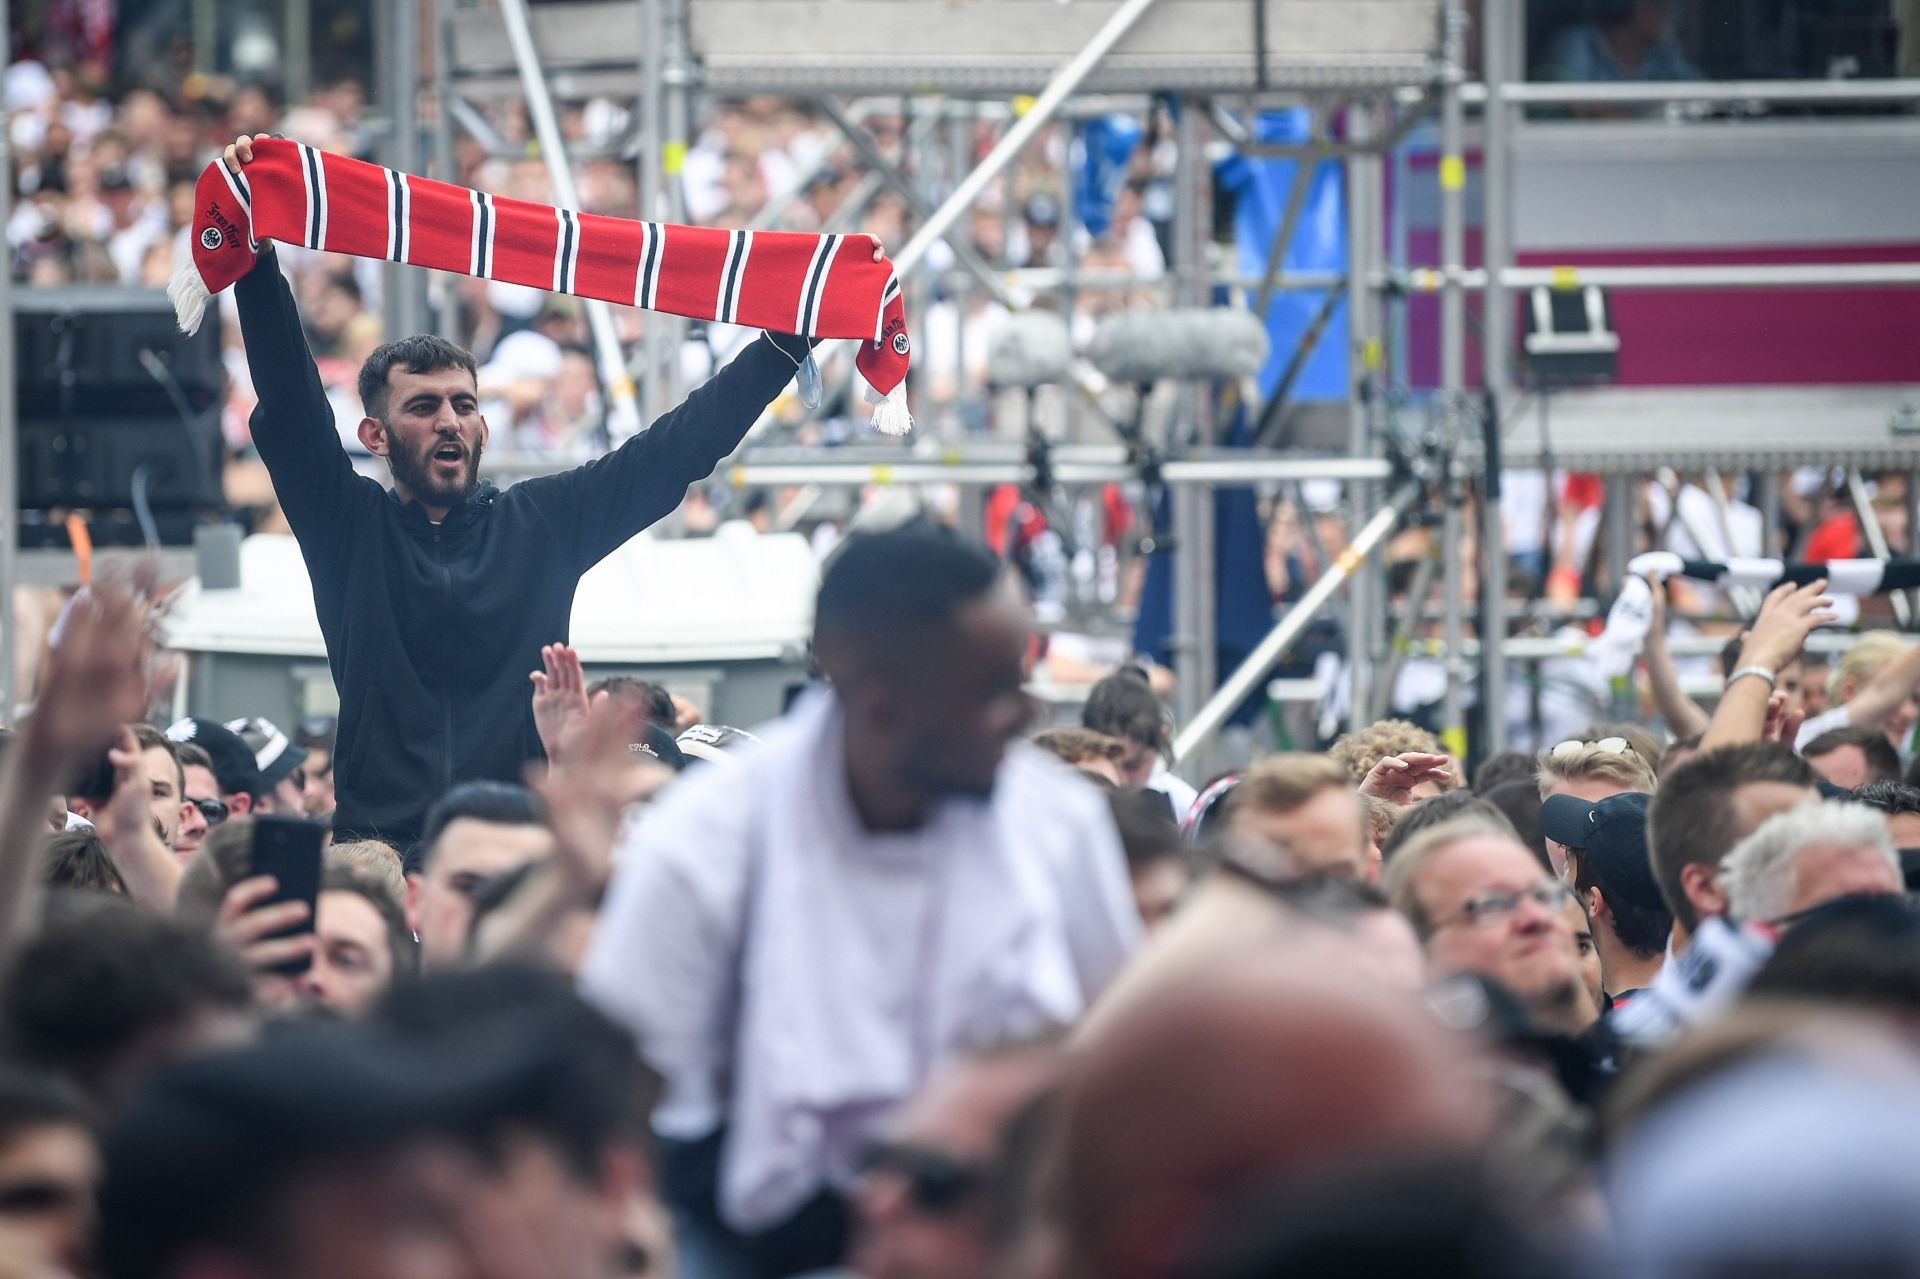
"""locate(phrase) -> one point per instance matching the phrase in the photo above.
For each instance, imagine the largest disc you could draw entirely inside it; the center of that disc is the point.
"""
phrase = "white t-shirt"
(752, 896)
(1174, 788)
(1825, 722)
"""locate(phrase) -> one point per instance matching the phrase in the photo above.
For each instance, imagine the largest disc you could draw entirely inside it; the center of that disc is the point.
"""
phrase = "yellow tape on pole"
(1453, 173)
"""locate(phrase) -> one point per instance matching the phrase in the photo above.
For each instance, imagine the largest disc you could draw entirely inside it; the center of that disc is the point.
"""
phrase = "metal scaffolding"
(670, 53)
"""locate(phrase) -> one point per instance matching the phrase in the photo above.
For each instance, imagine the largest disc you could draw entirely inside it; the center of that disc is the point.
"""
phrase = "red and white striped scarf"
(818, 286)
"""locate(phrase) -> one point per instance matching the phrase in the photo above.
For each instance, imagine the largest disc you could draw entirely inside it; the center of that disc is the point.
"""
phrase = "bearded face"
(434, 435)
(439, 471)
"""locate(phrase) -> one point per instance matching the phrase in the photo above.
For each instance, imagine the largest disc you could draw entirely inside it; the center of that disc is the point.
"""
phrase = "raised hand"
(1789, 615)
(588, 793)
(559, 700)
(1395, 777)
(98, 672)
(244, 925)
(240, 152)
(128, 810)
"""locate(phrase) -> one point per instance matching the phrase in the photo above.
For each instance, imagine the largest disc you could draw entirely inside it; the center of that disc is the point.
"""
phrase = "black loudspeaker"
(118, 350)
(108, 386)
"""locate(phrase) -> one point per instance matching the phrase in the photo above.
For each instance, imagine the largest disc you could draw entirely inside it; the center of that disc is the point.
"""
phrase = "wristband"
(1758, 672)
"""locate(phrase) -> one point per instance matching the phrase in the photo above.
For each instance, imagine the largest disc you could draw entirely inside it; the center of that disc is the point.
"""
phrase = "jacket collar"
(483, 496)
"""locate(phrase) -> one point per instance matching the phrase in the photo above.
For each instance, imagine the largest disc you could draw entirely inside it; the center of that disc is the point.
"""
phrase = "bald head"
(1219, 1085)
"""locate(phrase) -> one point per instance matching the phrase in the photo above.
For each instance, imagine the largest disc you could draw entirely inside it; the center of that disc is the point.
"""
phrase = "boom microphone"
(1029, 349)
(1214, 344)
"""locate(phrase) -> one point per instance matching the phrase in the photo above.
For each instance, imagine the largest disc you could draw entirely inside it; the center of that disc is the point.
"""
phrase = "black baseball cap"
(657, 744)
(234, 767)
(715, 743)
(273, 754)
(1611, 838)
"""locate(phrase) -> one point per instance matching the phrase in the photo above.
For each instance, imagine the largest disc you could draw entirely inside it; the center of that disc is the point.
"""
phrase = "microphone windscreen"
(1029, 349)
(1215, 344)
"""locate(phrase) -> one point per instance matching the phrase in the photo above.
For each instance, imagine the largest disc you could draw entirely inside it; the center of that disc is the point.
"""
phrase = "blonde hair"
(1382, 816)
(374, 859)
(1590, 763)
(224, 859)
(1359, 751)
(1872, 653)
(1398, 880)
(1281, 783)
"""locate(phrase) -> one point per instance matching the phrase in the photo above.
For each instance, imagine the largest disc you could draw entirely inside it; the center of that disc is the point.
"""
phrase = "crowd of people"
(908, 984)
(105, 166)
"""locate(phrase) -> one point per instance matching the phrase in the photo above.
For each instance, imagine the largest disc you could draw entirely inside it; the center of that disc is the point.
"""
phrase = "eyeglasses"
(215, 811)
(1606, 745)
(938, 1183)
(1487, 909)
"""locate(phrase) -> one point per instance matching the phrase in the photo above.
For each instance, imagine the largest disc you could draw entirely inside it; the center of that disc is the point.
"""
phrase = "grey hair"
(1761, 875)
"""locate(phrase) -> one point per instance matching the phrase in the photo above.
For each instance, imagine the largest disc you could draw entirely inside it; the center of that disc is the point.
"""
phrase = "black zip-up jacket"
(431, 630)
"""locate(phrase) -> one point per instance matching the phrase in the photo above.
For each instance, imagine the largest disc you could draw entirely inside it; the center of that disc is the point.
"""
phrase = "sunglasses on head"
(1606, 745)
(937, 1182)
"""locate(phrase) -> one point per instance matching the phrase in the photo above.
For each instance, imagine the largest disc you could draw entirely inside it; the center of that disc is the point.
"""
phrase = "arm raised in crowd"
(125, 826)
(293, 425)
(96, 678)
(1748, 707)
(1683, 715)
(1885, 691)
(598, 506)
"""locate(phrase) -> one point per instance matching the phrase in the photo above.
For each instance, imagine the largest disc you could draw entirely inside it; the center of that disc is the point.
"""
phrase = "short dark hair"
(1519, 800)
(32, 1099)
(78, 859)
(101, 977)
(1642, 927)
(1124, 705)
(1883, 762)
(656, 703)
(192, 755)
(1148, 832)
(1507, 766)
(1431, 812)
(95, 782)
(1854, 951)
(421, 353)
(1693, 821)
(609, 1092)
(497, 803)
(1889, 797)
(910, 578)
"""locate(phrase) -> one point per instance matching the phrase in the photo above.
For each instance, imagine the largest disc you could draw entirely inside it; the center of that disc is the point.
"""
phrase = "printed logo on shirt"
(211, 238)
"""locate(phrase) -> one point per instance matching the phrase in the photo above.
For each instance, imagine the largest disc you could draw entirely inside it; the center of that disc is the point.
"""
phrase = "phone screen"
(288, 848)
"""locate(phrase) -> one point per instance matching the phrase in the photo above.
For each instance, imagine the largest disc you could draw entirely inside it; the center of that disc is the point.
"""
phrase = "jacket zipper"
(446, 690)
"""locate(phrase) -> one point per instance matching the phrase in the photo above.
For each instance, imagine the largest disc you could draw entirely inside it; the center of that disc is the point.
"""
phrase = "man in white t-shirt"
(889, 881)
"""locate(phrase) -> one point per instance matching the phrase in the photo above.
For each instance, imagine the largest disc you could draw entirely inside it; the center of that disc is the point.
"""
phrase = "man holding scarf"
(435, 598)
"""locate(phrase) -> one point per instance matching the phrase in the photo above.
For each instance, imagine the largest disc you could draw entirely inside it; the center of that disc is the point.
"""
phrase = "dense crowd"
(514, 975)
(884, 989)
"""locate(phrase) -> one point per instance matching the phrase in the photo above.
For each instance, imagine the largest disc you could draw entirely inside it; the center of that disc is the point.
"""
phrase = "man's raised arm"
(600, 505)
(293, 423)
